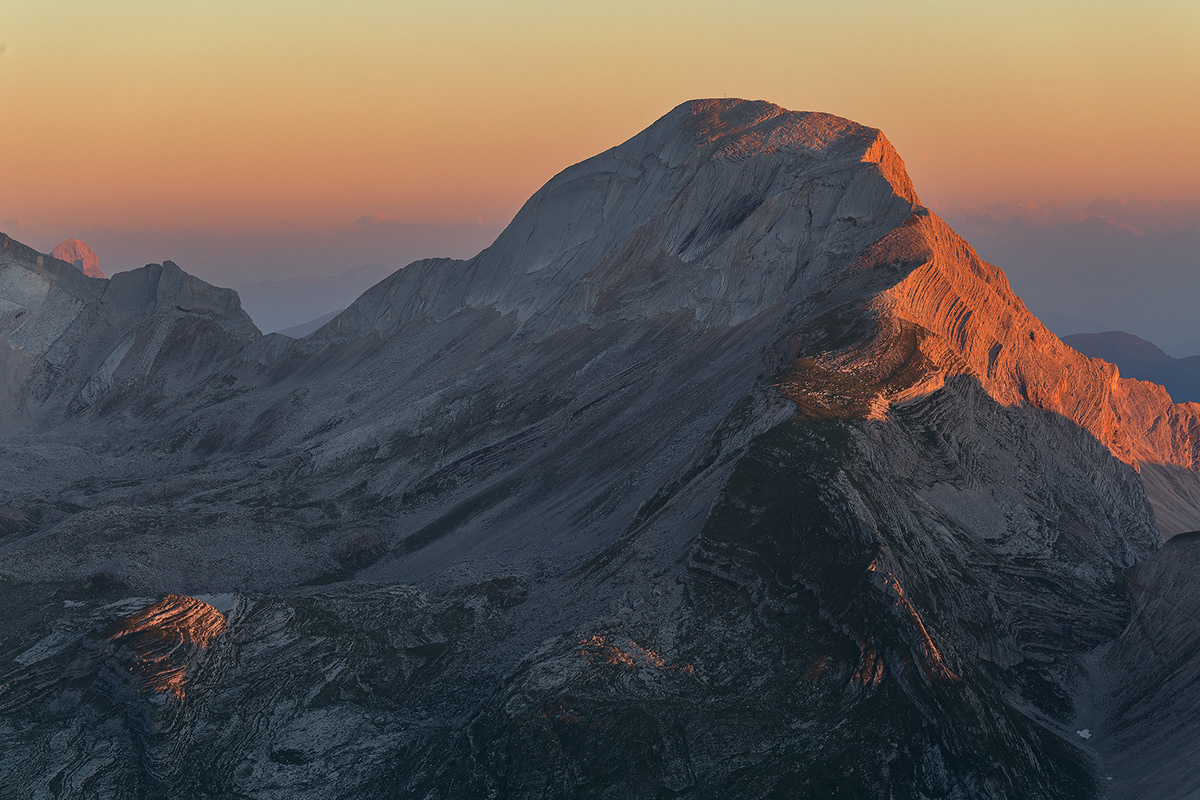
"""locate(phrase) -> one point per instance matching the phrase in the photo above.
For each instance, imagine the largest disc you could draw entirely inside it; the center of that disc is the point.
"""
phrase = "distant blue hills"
(1138, 358)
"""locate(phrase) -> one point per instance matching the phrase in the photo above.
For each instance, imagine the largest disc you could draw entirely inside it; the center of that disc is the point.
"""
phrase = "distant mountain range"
(1138, 358)
(278, 304)
(305, 328)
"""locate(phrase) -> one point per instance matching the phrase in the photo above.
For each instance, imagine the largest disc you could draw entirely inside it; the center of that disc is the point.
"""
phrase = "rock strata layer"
(159, 645)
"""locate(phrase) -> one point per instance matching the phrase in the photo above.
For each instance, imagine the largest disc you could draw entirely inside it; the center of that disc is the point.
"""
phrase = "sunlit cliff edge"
(982, 329)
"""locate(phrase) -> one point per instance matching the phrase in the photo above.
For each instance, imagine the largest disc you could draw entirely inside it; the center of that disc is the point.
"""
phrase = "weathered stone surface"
(157, 646)
(1140, 690)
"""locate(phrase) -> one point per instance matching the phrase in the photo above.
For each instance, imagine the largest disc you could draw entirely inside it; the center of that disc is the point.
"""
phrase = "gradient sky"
(269, 115)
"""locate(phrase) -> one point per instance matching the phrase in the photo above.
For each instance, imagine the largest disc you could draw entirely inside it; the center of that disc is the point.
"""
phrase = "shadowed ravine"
(729, 470)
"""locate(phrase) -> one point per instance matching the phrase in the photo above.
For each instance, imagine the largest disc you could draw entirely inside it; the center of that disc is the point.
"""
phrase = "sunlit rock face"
(76, 252)
(157, 646)
(729, 470)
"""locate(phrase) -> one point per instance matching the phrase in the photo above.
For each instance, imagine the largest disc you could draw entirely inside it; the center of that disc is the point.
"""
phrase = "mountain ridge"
(679, 169)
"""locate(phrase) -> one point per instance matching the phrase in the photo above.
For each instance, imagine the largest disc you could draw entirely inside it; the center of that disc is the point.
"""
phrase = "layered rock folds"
(980, 328)
(159, 645)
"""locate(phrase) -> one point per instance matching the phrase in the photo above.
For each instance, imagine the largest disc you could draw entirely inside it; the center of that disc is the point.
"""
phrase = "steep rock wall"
(982, 329)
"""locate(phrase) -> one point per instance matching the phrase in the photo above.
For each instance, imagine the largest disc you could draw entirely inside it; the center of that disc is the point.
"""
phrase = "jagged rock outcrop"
(158, 645)
(74, 251)
(728, 470)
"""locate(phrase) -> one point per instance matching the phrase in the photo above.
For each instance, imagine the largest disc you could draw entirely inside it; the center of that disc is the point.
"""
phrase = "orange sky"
(239, 116)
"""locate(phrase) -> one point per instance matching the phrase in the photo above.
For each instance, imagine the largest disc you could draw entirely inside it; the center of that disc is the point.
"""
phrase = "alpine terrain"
(728, 470)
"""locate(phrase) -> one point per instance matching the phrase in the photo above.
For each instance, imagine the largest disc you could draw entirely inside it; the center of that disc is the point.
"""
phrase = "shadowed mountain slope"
(728, 470)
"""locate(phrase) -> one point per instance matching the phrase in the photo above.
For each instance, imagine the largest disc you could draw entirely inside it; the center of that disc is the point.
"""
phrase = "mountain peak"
(756, 127)
(725, 389)
(732, 128)
(719, 210)
(77, 252)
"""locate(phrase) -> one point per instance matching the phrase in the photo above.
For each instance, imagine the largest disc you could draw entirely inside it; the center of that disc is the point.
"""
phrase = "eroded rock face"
(158, 646)
(120, 680)
(76, 252)
(362, 551)
(729, 470)
(1137, 686)
(13, 520)
(982, 329)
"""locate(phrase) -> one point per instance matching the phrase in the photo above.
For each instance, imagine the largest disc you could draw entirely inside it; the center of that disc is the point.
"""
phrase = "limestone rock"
(76, 252)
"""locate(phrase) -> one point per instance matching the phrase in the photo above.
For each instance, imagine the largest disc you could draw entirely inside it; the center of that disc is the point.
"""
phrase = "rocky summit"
(728, 470)
(77, 252)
